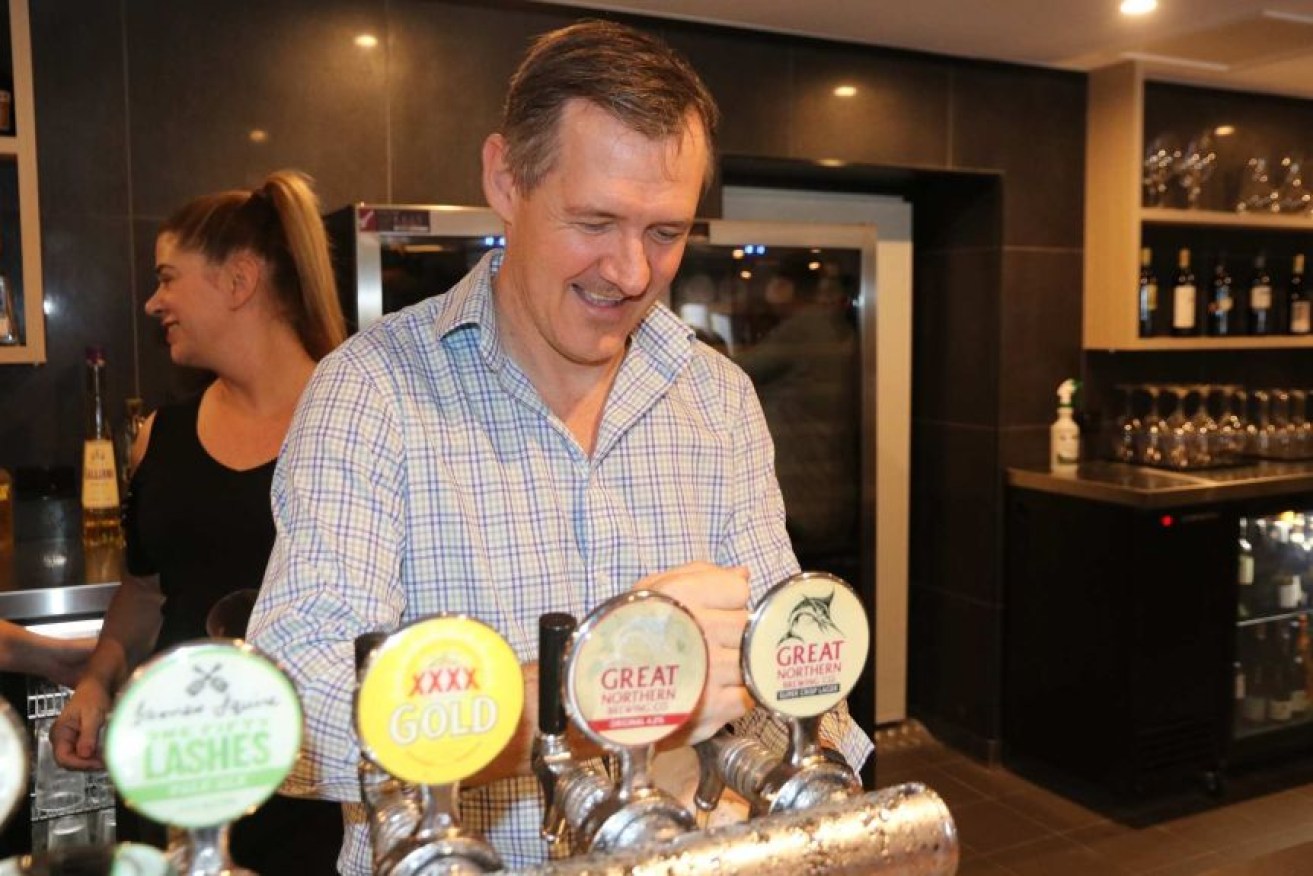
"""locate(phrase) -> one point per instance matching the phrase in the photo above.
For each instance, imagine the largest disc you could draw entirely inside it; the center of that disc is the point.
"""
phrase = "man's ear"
(498, 184)
(241, 278)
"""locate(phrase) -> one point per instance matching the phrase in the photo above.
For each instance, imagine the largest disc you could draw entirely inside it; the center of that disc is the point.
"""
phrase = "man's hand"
(718, 599)
(75, 735)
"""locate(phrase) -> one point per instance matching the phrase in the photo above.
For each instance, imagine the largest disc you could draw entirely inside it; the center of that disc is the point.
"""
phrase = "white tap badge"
(636, 670)
(203, 734)
(805, 645)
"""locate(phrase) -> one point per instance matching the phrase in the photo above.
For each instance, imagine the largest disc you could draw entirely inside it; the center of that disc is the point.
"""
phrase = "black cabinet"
(1118, 640)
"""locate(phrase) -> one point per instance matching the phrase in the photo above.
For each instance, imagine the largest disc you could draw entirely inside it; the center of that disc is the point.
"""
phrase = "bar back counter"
(52, 584)
(1156, 623)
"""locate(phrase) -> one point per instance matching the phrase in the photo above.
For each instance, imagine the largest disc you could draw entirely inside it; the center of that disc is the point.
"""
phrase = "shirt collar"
(661, 338)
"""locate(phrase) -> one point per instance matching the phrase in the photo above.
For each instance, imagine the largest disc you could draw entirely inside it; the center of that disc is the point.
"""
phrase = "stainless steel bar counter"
(1148, 488)
(50, 575)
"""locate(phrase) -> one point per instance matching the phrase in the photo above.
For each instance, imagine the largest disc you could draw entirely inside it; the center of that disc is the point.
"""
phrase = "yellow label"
(442, 697)
(100, 481)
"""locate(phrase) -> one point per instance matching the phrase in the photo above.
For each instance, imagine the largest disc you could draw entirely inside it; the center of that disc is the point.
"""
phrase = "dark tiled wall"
(145, 103)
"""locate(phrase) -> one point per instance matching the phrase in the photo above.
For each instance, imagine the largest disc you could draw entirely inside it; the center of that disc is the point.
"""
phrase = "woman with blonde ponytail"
(244, 290)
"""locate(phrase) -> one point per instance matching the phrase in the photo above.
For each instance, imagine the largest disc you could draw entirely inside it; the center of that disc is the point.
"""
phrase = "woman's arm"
(59, 660)
(126, 639)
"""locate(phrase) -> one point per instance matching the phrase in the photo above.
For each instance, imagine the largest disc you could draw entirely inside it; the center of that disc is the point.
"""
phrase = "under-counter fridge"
(798, 306)
(1156, 631)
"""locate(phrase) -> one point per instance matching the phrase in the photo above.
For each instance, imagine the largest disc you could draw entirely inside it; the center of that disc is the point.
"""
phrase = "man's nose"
(626, 266)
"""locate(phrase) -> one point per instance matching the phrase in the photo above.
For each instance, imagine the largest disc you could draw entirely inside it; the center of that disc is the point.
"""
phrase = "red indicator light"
(1166, 520)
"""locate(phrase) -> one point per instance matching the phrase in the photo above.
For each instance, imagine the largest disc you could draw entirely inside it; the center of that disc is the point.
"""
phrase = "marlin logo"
(811, 611)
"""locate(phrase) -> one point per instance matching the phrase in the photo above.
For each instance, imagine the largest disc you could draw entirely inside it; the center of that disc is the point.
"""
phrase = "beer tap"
(201, 735)
(436, 702)
(392, 807)
(634, 673)
(803, 649)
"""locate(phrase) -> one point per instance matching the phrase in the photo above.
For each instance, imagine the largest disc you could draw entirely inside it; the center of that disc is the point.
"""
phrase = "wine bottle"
(1185, 318)
(9, 334)
(1148, 293)
(1259, 298)
(1221, 301)
(1245, 575)
(1297, 301)
(100, 480)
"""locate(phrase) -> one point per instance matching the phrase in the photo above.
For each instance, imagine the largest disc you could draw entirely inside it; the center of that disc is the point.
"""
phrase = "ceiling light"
(258, 136)
(1138, 7)
(1224, 130)
(845, 91)
(366, 40)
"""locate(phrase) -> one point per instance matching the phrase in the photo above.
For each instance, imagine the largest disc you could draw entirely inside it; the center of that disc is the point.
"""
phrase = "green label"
(203, 734)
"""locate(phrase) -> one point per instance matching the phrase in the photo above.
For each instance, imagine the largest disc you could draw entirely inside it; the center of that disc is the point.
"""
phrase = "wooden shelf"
(1220, 219)
(21, 150)
(1115, 220)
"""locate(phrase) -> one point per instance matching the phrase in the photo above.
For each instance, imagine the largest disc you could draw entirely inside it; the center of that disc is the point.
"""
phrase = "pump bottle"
(1064, 436)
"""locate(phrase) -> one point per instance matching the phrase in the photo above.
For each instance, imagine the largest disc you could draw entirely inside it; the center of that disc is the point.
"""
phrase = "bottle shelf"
(1247, 730)
(1273, 618)
(1222, 219)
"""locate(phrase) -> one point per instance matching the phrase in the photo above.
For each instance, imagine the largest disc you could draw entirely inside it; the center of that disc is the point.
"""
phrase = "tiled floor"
(1008, 826)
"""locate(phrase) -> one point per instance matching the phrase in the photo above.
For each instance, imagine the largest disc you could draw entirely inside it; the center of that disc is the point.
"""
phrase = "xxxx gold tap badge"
(637, 669)
(806, 644)
(440, 699)
(203, 734)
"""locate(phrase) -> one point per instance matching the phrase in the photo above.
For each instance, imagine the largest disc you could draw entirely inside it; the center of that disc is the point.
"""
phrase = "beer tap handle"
(551, 754)
(711, 784)
(554, 631)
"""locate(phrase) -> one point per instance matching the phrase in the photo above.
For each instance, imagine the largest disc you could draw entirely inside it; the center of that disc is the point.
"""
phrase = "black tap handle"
(554, 631)
(365, 645)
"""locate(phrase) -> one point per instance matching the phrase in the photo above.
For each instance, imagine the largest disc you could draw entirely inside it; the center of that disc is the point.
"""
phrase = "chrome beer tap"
(803, 648)
(392, 807)
(634, 673)
(437, 701)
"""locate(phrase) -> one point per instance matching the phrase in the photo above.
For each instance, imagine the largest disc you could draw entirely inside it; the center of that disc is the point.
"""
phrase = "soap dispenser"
(1064, 436)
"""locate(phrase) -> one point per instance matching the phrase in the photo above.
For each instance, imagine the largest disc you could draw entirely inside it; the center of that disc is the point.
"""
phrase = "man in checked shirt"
(539, 438)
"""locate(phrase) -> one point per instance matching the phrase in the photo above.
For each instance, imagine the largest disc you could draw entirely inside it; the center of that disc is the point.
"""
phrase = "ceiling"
(1252, 45)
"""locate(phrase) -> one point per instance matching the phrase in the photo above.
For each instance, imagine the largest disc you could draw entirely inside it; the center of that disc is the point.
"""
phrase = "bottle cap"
(636, 670)
(203, 734)
(805, 645)
(440, 698)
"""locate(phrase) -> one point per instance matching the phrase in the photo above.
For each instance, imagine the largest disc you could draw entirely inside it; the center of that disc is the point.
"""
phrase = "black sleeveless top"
(204, 528)
(207, 531)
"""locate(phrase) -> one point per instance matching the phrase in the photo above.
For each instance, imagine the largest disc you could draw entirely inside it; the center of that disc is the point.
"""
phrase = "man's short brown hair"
(637, 78)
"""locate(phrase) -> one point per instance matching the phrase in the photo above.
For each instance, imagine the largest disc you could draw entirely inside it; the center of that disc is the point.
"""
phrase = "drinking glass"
(1229, 444)
(1196, 166)
(1258, 194)
(228, 617)
(1126, 430)
(1283, 430)
(1194, 401)
(1301, 430)
(1178, 441)
(1149, 440)
(57, 789)
(1160, 161)
(1262, 435)
(1291, 195)
(67, 831)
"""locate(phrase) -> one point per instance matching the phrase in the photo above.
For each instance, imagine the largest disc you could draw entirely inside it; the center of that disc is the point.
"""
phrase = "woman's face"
(188, 302)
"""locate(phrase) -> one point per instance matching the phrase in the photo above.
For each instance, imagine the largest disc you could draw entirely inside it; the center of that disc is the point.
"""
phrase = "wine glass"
(1196, 166)
(1257, 193)
(1149, 440)
(1291, 195)
(1160, 159)
(1178, 440)
(1127, 428)
(1200, 449)
(1230, 436)
(1301, 430)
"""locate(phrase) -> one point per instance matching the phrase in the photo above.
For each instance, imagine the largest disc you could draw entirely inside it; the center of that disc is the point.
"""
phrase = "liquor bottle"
(1259, 303)
(1185, 318)
(1148, 293)
(1298, 305)
(100, 480)
(1221, 302)
(9, 334)
(1245, 575)
(6, 512)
